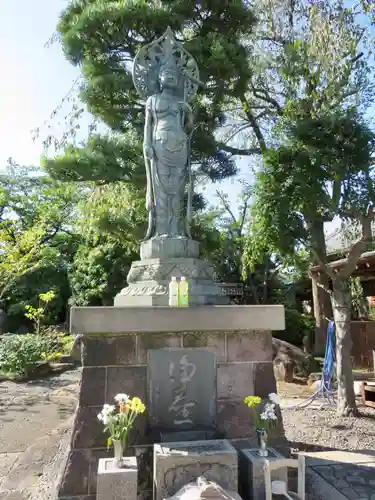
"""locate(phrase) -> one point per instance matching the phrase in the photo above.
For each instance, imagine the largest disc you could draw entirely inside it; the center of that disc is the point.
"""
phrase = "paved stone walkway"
(353, 481)
(339, 475)
(33, 418)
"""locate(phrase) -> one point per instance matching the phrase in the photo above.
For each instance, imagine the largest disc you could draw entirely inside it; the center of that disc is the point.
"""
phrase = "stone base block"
(149, 279)
(114, 483)
(252, 475)
(116, 343)
(166, 248)
(176, 464)
(153, 320)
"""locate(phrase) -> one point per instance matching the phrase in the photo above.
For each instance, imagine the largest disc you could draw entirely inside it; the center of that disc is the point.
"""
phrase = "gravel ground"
(320, 429)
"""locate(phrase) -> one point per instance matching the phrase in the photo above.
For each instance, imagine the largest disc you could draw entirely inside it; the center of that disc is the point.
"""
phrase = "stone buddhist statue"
(167, 77)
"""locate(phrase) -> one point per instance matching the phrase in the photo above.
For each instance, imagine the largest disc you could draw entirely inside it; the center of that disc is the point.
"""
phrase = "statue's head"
(169, 74)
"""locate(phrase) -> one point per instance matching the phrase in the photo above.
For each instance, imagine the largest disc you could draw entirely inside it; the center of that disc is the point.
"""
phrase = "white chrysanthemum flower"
(274, 398)
(108, 409)
(121, 398)
(269, 412)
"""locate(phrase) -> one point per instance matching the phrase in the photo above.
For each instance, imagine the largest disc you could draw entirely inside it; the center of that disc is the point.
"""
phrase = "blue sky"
(36, 79)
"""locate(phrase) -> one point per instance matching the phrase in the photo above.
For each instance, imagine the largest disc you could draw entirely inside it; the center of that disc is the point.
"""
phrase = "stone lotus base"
(161, 258)
(149, 281)
(115, 343)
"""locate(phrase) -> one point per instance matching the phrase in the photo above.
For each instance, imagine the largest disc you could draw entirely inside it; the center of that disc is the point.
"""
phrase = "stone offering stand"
(178, 464)
(224, 352)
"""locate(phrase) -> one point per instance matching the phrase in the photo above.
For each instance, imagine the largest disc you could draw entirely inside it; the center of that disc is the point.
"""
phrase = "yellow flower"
(137, 405)
(252, 401)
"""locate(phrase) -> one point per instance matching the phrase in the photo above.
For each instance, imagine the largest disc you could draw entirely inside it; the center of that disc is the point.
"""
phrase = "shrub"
(19, 354)
(60, 342)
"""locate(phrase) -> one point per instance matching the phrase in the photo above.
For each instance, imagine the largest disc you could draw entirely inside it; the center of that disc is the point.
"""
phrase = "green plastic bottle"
(183, 293)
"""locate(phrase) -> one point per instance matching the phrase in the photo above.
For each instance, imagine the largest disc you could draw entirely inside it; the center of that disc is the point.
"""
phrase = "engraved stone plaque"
(182, 388)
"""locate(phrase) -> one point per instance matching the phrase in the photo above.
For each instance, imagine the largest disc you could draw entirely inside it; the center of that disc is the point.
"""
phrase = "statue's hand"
(187, 108)
(188, 114)
(148, 151)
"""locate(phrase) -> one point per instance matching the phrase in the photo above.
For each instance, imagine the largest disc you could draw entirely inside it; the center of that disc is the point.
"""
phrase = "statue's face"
(168, 79)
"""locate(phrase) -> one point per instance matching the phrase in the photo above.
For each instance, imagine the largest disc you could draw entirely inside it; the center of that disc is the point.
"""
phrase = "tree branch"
(323, 265)
(267, 98)
(257, 131)
(336, 194)
(243, 215)
(226, 206)
(359, 247)
(238, 151)
(237, 131)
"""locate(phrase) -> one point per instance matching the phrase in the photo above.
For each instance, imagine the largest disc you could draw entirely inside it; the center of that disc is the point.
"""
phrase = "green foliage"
(59, 343)
(20, 252)
(98, 273)
(297, 326)
(322, 170)
(114, 212)
(360, 305)
(36, 231)
(26, 290)
(104, 159)
(369, 8)
(19, 354)
(37, 314)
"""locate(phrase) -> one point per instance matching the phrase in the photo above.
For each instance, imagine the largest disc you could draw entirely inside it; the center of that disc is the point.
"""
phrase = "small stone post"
(117, 484)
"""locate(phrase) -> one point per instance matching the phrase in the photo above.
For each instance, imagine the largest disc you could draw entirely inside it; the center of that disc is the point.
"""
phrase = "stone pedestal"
(162, 258)
(169, 247)
(176, 464)
(252, 485)
(116, 350)
(114, 483)
(148, 282)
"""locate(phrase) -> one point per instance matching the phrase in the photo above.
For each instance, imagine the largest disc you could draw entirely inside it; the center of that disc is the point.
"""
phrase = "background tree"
(103, 39)
(113, 222)
(322, 167)
(37, 240)
(307, 59)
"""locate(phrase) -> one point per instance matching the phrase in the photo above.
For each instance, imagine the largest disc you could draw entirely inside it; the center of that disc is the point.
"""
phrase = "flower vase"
(262, 442)
(118, 448)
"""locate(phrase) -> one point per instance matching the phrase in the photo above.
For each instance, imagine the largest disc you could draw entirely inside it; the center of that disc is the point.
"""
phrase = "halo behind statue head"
(152, 57)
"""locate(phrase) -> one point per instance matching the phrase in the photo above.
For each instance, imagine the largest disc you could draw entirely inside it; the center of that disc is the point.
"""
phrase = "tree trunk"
(320, 285)
(322, 310)
(341, 306)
